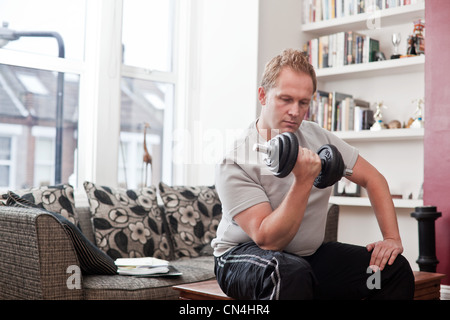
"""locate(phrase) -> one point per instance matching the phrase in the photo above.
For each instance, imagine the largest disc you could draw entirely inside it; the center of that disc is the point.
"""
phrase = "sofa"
(52, 249)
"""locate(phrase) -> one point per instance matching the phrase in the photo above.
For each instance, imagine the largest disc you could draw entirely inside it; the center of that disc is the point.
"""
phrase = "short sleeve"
(236, 189)
(348, 152)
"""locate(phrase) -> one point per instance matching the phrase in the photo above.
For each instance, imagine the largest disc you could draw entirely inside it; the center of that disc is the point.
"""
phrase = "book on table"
(145, 267)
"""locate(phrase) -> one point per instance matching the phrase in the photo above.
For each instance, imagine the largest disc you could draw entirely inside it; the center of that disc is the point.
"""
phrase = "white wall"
(279, 28)
(222, 86)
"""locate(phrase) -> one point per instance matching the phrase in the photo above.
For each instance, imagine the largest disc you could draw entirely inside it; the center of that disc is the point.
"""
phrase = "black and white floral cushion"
(193, 214)
(128, 223)
(58, 199)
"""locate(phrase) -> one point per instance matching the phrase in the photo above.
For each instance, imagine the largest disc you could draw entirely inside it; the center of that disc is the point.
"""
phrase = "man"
(269, 243)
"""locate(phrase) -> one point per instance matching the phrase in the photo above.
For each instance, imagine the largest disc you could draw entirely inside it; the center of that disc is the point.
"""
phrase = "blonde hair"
(294, 59)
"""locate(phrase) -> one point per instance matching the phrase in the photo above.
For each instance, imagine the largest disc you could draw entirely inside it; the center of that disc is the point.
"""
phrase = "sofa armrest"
(35, 254)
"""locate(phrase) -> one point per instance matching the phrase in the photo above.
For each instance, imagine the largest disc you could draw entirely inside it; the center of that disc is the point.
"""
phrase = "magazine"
(145, 267)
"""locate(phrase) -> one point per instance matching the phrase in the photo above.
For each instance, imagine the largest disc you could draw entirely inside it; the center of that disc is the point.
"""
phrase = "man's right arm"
(275, 229)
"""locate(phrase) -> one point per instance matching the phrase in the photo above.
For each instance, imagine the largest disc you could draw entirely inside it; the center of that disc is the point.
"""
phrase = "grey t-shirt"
(243, 180)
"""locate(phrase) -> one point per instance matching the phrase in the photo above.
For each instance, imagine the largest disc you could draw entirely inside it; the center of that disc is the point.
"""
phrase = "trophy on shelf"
(378, 117)
(396, 39)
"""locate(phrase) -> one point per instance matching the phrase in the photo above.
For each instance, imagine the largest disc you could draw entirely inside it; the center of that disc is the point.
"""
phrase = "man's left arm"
(368, 177)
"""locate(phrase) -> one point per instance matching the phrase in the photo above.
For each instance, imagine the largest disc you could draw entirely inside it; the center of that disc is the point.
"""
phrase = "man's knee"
(404, 268)
(297, 280)
(399, 282)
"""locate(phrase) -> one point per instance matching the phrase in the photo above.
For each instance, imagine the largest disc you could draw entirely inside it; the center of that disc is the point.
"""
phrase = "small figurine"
(378, 117)
(418, 115)
(394, 124)
(416, 41)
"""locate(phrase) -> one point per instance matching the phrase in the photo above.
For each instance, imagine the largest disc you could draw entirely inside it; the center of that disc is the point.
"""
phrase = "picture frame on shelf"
(346, 188)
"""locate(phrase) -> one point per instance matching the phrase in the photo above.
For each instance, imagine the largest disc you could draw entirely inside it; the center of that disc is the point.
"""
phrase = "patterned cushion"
(58, 199)
(92, 260)
(128, 223)
(193, 214)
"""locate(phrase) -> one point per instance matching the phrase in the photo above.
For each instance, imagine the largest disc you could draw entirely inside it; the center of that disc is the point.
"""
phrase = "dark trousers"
(335, 271)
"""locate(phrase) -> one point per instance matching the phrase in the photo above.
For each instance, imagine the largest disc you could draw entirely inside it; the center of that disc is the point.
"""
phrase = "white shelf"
(382, 135)
(385, 18)
(365, 202)
(403, 65)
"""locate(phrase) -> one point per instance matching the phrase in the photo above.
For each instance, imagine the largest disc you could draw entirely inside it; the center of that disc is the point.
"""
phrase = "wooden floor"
(427, 288)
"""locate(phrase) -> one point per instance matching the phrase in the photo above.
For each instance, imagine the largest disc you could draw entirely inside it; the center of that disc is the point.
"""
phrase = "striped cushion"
(92, 260)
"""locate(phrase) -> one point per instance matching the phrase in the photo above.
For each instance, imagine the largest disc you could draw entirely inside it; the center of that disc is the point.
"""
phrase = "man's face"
(284, 106)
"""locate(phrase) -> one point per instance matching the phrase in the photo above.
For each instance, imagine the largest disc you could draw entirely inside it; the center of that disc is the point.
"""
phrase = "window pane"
(4, 176)
(147, 33)
(5, 148)
(143, 102)
(28, 121)
(43, 174)
(45, 150)
(66, 17)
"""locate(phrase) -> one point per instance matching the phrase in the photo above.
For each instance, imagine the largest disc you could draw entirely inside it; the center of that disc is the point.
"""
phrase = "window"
(147, 34)
(137, 88)
(142, 110)
(147, 88)
(37, 95)
(67, 17)
(29, 101)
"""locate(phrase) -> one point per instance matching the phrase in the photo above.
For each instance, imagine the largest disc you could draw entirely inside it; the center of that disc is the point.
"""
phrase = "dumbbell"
(281, 155)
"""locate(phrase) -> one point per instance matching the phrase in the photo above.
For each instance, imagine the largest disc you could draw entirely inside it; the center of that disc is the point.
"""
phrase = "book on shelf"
(363, 116)
(336, 111)
(145, 267)
(322, 10)
(339, 49)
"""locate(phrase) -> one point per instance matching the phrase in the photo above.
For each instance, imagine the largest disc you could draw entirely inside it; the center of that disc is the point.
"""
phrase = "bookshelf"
(353, 71)
(397, 153)
(364, 202)
(387, 17)
(371, 80)
(383, 135)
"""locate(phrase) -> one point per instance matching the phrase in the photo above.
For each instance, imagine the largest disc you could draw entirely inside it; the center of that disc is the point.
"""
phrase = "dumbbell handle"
(348, 172)
(262, 148)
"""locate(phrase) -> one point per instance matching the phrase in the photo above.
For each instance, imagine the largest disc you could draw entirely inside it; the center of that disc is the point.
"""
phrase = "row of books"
(342, 48)
(337, 111)
(319, 10)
